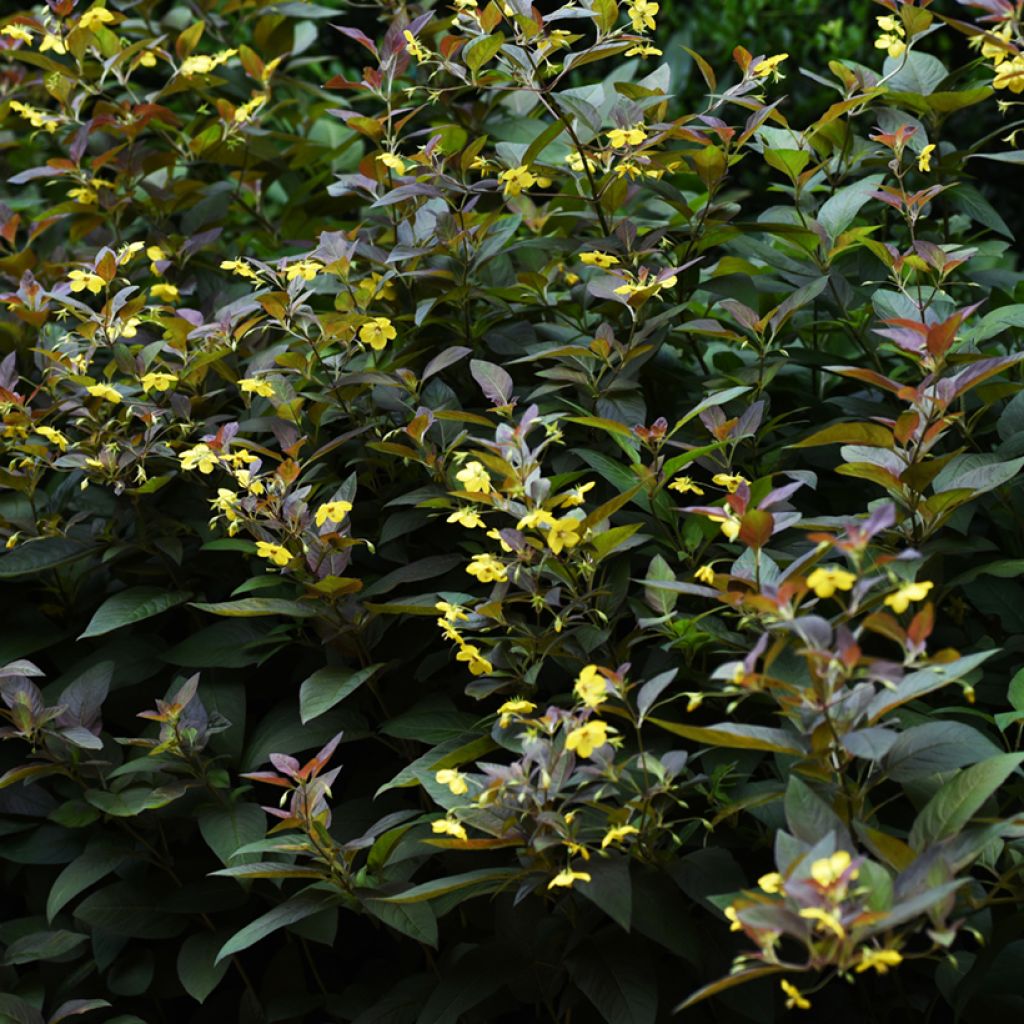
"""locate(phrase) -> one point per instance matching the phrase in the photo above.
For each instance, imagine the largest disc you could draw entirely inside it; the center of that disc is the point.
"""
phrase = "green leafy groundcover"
(507, 518)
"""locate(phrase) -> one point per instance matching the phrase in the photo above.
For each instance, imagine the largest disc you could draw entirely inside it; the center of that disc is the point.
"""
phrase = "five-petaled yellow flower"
(256, 386)
(770, 883)
(641, 14)
(448, 827)
(466, 516)
(829, 870)
(377, 332)
(770, 66)
(706, 574)
(924, 159)
(879, 959)
(795, 998)
(617, 834)
(95, 16)
(19, 32)
(53, 436)
(487, 569)
(106, 392)
(453, 779)
(900, 601)
(201, 457)
(827, 579)
(391, 160)
(238, 267)
(474, 478)
(157, 381)
(585, 739)
(565, 879)
(475, 661)
(563, 533)
(166, 292)
(516, 179)
(306, 269)
(891, 39)
(591, 687)
(575, 496)
(516, 706)
(598, 259)
(275, 553)
(622, 137)
(415, 48)
(825, 921)
(684, 485)
(730, 481)
(82, 279)
(333, 511)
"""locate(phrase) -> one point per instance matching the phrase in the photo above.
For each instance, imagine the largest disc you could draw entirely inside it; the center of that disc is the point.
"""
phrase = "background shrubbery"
(511, 515)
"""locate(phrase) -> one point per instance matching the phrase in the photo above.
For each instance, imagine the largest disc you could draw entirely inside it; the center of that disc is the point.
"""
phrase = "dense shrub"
(507, 523)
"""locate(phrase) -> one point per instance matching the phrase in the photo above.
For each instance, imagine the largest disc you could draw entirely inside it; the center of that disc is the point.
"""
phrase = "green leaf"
(42, 946)
(100, 858)
(252, 607)
(660, 600)
(953, 806)
(481, 50)
(837, 213)
(735, 736)
(230, 827)
(924, 681)
(872, 434)
(496, 878)
(610, 889)
(198, 970)
(416, 920)
(132, 605)
(301, 906)
(618, 980)
(935, 747)
(132, 910)
(731, 981)
(37, 556)
(329, 686)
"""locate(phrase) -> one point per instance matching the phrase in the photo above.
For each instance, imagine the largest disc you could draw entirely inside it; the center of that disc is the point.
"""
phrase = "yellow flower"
(575, 496)
(733, 918)
(53, 436)
(535, 518)
(517, 706)
(475, 661)
(643, 50)
(641, 14)
(453, 779)
(565, 879)
(17, 32)
(448, 827)
(496, 535)
(247, 109)
(452, 612)
(450, 632)
(879, 959)
(474, 478)
(415, 48)
(993, 51)
(829, 870)
(899, 601)
(306, 269)
(82, 195)
(393, 161)
(226, 502)
(576, 162)
(334, 511)
(466, 516)
(705, 574)
(239, 267)
(891, 39)
(487, 569)
(826, 921)
(621, 137)
(256, 386)
(591, 687)
(795, 999)
(166, 292)
(563, 533)
(52, 42)
(273, 552)
(730, 481)
(36, 118)
(1009, 75)
(515, 179)
(203, 65)
(924, 159)
(827, 579)
(201, 457)
(770, 65)
(377, 332)
(729, 525)
(82, 279)
(157, 381)
(770, 883)
(585, 739)
(598, 259)
(684, 485)
(617, 834)
(104, 391)
(95, 16)
(694, 702)
(147, 59)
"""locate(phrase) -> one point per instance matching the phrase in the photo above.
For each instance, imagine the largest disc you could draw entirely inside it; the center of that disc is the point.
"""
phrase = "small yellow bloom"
(393, 161)
(585, 739)
(705, 574)
(20, 32)
(827, 579)
(516, 179)
(82, 195)
(730, 481)
(306, 269)
(617, 834)
(576, 162)
(891, 39)
(157, 381)
(487, 569)
(517, 706)
(82, 279)
(924, 159)
(201, 457)
(598, 259)
(475, 661)
(795, 998)
(453, 779)
(246, 110)
(826, 921)
(448, 827)
(95, 16)
(622, 137)
(466, 516)
(452, 612)
(733, 918)
(729, 525)
(53, 436)
(565, 879)
(770, 883)
(563, 533)
(879, 959)
(575, 496)
(641, 14)
(591, 687)
(377, 332)
(333, 511)
(165, 292)
(474, 478)
(1009, 75)
(643, 50)
(534, 519)
(684, 485)
(415, 48)
(900, 601)
(106, 392)
(200, 64)
(275, 553)
(827, 871)
(256, 386)
(238, 267)
(770, 66)
(147, 59)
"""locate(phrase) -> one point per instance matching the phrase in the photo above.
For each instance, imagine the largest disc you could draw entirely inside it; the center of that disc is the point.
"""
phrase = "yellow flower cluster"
(204, 65)
(893, 34)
